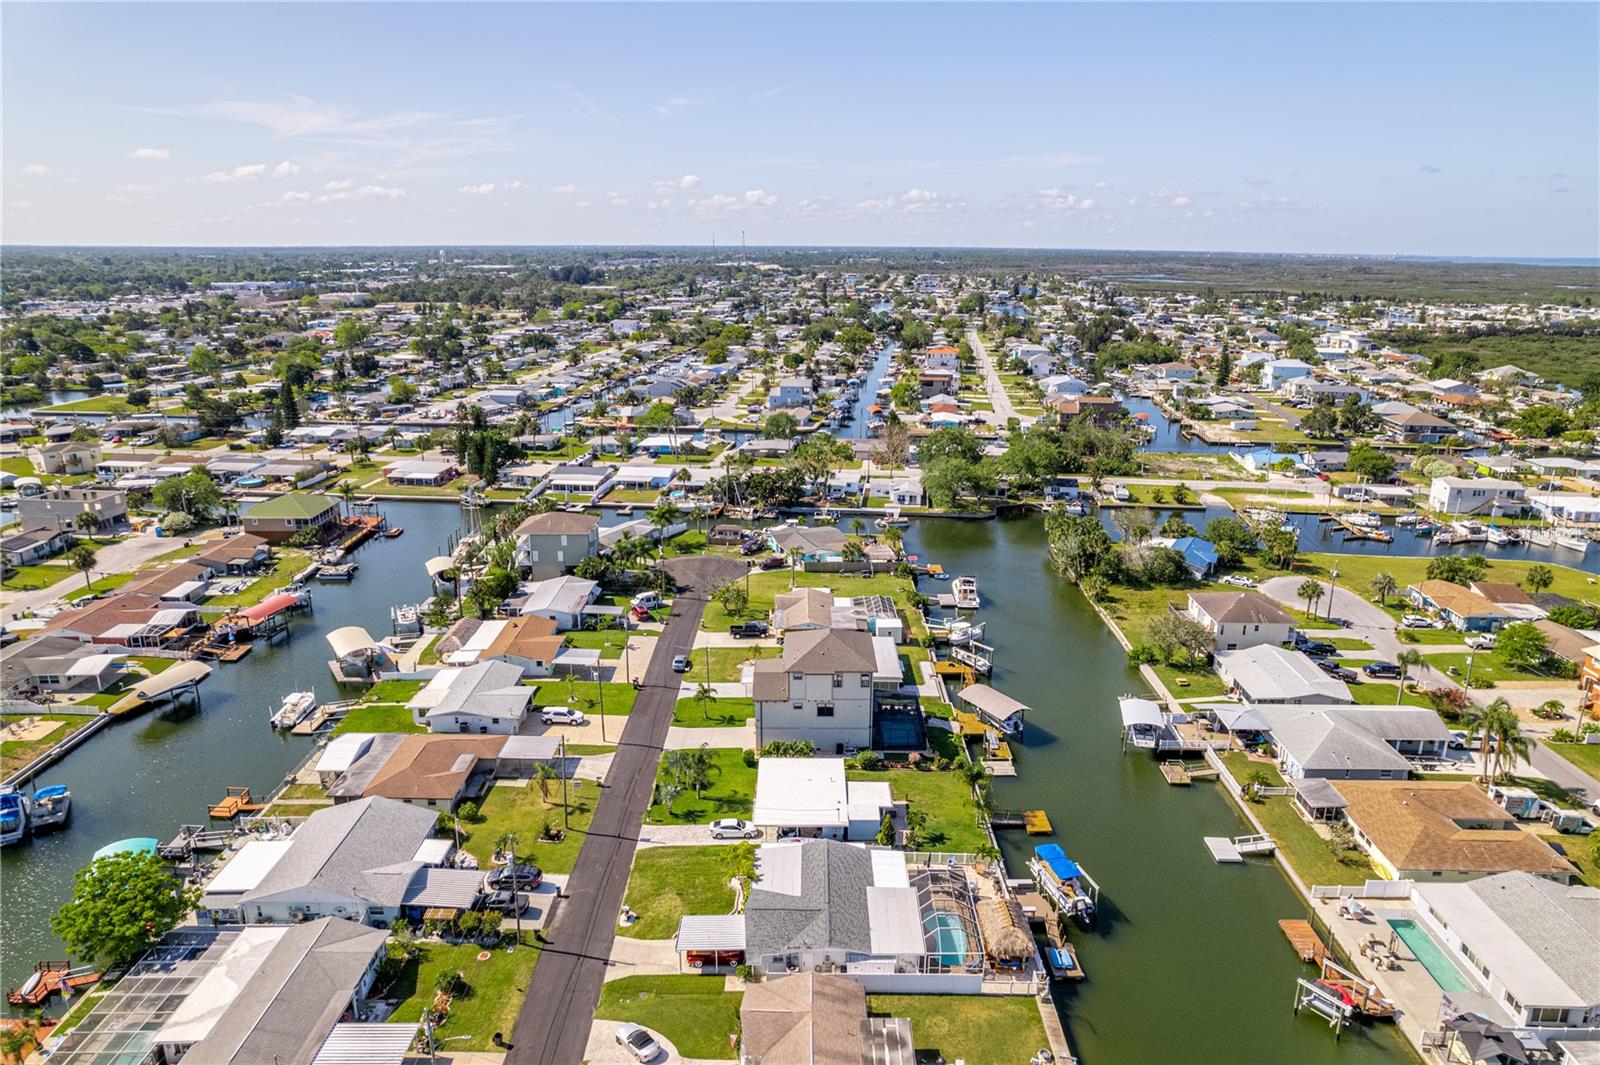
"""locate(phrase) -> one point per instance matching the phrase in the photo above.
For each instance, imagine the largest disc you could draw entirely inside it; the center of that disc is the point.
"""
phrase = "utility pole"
(600, 695)
(563, 771)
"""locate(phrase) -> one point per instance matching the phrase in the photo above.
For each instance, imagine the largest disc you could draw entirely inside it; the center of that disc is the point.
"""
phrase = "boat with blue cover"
(1062, 881)
(52, 806)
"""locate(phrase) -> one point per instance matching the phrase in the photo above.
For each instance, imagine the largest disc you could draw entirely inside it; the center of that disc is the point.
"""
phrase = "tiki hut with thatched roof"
(1005, 930)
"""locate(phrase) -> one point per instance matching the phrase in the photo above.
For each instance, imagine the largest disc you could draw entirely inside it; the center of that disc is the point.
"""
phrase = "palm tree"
(705, 695)
(1310, 592)
(1408, 660)
(82, 559)
(1383, 585)
(86, 522)
(543, 774)
(664, 515)
(1510, 745)
(795, 556)
(347, 492)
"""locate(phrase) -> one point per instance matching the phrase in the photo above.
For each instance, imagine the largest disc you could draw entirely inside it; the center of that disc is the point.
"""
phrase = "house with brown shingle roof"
(1241, 619)
(818, 1019)
(1433, 830)
(1462, 607)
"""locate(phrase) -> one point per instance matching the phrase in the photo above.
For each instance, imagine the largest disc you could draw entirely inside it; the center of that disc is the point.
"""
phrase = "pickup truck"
(749, 629)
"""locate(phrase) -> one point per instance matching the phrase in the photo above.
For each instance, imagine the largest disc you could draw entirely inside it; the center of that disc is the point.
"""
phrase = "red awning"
(272, 604)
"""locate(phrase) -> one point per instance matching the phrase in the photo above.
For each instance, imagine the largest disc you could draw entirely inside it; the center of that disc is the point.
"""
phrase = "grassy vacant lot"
(1356, 573)
(943, 796)
(392, 691)
(975, 1028)
(587, 695)
(1585, 756)
(721, 711)
(1431, 637)
(731, 793)
(524, 810)
(765, 585)
(1308, 852)
(32, 578)
(727, 663)
(609, 642)
(378, 717)
(668, 882)
(493, 992)
(694, 1012)
(1376, 693)
(1488, 665)
(1566, 359)
(14, 754)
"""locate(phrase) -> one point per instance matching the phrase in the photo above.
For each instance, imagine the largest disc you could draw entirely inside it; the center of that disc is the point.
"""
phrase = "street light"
(1333, 575)
(600, 696)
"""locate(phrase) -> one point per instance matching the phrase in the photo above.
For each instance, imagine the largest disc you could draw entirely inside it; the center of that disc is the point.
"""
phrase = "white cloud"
(363, 192)
(1057, 199)
(247, 172)
(564, 189)
(715, 202)
(478, 190)
(335, 186)
(286, 169)
(672, 106)
(619, 201)
(919, 196)
(36, 168)
(1180, 201)
(688, 181)
(296, 197)
(759, 198)
(1085, 204)
(150, 153)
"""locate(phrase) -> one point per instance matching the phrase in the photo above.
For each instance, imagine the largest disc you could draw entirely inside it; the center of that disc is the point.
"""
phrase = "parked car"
(1316, 647)
(1334, 669)
(750, 547)
(1418, 621)
(680, 664)
(774, 562)
(638, 1042)
(648, 600)
(562, 715)
(1461, 739)
(733, 828)
(506, 901)
(1480, 643)
(748, 629)
(522, 877)
(1238, 582)
(1381, 669)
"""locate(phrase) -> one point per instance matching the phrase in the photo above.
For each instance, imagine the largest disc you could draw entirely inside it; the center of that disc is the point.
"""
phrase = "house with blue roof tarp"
(1199, 555)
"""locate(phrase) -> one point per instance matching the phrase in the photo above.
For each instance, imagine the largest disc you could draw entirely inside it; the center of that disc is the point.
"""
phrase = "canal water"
(857, 429)
(148, 775)
(1187, 963)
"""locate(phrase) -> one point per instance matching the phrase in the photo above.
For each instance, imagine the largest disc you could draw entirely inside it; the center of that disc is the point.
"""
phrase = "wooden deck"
(970, 724)
(1303, 938)
(1176, 773)
(236, 802)
(51, 975)
(1036, 822)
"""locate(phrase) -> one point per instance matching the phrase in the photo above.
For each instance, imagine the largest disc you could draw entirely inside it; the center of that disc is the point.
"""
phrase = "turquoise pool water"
(1431, 955)
(949, 938)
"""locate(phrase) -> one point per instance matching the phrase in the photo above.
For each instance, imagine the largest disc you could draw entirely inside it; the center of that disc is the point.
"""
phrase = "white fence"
(1372, 889)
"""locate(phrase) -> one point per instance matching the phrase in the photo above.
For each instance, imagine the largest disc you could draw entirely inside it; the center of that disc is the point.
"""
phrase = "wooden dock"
(1036, 822)
(970, 725)
(1303, 938)
(1176, 773)
(236, 802)
(1353, 531)
(49, 978)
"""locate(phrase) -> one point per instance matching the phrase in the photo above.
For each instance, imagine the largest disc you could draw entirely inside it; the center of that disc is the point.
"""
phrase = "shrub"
(749, 759)
(176, 523)
(469, 812)
(870, 760)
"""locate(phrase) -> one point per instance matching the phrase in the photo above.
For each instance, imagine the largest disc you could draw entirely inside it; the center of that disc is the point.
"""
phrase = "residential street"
(122, 557)
(1366, 622)
(554, 1023)
(1004, 409)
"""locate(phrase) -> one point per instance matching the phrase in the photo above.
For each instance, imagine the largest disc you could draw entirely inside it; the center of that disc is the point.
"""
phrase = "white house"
(486, 698)
(790, 392)
(1476, 495)
(1267, 673)
(1276, 373)
(1241, 619)
(811, 797)
(561, 599)
(820, 690)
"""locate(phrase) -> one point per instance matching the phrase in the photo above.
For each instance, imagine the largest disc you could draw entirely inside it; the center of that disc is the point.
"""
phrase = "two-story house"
(1241, 619)
(552, 543)
(820, 690)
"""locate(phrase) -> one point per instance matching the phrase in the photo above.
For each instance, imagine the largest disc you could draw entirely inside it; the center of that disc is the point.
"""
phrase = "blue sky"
(1412, 129)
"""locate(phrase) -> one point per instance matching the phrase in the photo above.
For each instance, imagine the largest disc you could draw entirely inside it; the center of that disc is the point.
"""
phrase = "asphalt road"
(999, 398)
(553, 1026)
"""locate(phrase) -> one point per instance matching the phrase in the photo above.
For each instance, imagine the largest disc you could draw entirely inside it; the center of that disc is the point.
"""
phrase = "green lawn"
(765, 585)
(731, 793)
(1190, 683)
(609, 642)
(92, 405)
(1345, 643)
(1308, 852)
(1377, 693)
(587, 695)
(973, 1028)
(524, 811)
(14, 754)
(286, 562)
(1585, 756)
(668, 882)
(392, 691)
(1488, 665)
(694, 1012)
(1356, 573)
(943, 796)
(727, 663)
(493, 994)
(378, 717)
(1431, 637)
(721, 711)
(18, 465)
(32, 578)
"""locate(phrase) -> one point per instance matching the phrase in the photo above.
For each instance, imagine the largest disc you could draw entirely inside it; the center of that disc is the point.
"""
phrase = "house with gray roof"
(356, 860)
(485, 698)
(1268, 673)
(1352, 742)
(1530, 943)
(821, 690)
(277, 995)
(825, 903)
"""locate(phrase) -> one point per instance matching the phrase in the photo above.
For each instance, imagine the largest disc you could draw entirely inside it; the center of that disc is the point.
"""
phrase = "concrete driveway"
(682, 739)
(642, 957)
(603, 1049)
(683, 836)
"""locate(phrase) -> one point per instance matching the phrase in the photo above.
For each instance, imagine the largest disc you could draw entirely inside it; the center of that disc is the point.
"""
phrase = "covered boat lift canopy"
(182, 675)
(268, 607)
(352, 640)
(438, 564)
(1140, 712)
(995, 705)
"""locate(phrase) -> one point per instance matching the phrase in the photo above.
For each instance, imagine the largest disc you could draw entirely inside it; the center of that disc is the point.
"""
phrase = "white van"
(648, 600)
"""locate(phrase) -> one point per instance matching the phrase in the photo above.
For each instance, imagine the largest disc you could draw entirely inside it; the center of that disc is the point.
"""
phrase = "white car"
(733, 828)
(1416, 621)
(639, 1042)
(1480, 643)
(562, 715)
(1238, 581)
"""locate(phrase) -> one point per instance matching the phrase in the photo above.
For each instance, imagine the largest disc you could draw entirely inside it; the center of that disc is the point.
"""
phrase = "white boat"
(892, 520)
(13, 816)
(52, 806)
(1365, 519)
(296, 705)
(1497, 536)
(1571, 541)
(1407, 519)
(966, 593)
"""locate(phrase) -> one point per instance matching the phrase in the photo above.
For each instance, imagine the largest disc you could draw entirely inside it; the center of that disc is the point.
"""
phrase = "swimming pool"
(949, 938)
(1431, 955)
